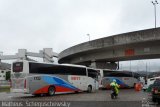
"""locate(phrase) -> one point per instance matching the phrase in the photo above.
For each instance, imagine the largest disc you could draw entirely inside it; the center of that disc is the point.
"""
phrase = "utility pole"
(130, 65)
(155, 16)
(89, 37)
(146, 70)
(1, 53)
(131, 69)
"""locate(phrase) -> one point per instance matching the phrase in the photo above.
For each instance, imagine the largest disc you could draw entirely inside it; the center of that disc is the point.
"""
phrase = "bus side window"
(56, 69)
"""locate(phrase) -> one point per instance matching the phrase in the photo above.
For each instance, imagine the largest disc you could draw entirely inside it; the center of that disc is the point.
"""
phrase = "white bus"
(43, 78)
(124, 78)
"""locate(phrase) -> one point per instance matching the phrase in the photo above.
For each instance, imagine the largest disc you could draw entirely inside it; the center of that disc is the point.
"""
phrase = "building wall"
(3, 74)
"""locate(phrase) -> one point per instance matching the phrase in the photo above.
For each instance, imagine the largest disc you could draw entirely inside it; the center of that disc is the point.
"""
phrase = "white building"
(4, 67)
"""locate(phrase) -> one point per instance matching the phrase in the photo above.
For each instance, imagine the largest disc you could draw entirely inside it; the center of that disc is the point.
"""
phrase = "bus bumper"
(26, 91)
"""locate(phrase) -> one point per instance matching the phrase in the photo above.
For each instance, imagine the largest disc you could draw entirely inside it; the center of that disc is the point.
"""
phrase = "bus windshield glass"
(93, 74)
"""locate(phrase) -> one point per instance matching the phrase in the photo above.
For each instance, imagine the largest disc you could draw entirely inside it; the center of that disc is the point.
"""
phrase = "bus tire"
(37, 95)
(51, 90)
(76, 92)
(89, 90)
(134, 85)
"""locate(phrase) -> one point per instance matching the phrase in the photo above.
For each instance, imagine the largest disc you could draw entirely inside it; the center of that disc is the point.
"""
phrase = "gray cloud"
(59, 24)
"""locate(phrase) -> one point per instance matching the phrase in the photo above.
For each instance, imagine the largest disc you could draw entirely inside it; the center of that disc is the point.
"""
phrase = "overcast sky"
(60, 24)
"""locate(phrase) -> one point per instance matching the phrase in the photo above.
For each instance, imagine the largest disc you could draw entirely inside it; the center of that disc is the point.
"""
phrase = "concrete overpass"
(104, 52)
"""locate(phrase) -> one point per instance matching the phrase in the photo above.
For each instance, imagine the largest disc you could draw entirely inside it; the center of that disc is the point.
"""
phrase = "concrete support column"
(93, 64)
(22, 54)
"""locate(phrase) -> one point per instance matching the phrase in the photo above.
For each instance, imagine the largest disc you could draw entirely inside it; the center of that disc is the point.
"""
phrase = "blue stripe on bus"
(120, 82)
(57, 81)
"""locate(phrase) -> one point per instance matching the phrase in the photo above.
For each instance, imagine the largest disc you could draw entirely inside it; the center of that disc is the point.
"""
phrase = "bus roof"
(71, 65)
(154, 77)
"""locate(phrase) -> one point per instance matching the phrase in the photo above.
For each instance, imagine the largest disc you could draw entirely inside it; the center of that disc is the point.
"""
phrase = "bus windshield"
(93, 73)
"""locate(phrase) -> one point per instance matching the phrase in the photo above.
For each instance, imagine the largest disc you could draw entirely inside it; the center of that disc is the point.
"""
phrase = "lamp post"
(1, 53)
(89, 37)
(131, 69)
(146, 70)
(154, 4)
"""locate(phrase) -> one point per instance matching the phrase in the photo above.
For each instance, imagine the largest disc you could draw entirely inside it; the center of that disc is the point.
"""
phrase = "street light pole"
(130, 65)
(146, 70)
(154, 4)
(88, 36)
(1, 53)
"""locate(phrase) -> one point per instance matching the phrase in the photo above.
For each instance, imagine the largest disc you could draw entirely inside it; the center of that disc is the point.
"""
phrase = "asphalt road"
(99, 98)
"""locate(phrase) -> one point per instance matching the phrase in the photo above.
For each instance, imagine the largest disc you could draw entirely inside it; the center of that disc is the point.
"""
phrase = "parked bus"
(43, 78)
(124, 78)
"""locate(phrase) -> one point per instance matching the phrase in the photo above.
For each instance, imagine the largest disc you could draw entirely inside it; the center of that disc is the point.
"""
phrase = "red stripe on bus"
(42, 90)
(64, 89)
(58, 89)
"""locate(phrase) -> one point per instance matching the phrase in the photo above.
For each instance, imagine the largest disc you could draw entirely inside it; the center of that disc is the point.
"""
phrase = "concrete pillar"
(48, 55)
(93, 64)
(22, 54)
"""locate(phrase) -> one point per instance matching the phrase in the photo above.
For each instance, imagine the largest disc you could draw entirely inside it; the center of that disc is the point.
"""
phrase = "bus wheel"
(51, 91)
(89, 90)
(76, 92)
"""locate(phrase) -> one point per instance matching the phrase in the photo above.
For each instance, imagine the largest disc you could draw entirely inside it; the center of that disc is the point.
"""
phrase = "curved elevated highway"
(104, 52)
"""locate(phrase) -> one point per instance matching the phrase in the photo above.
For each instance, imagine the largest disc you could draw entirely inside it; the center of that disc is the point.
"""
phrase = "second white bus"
(124, 78)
